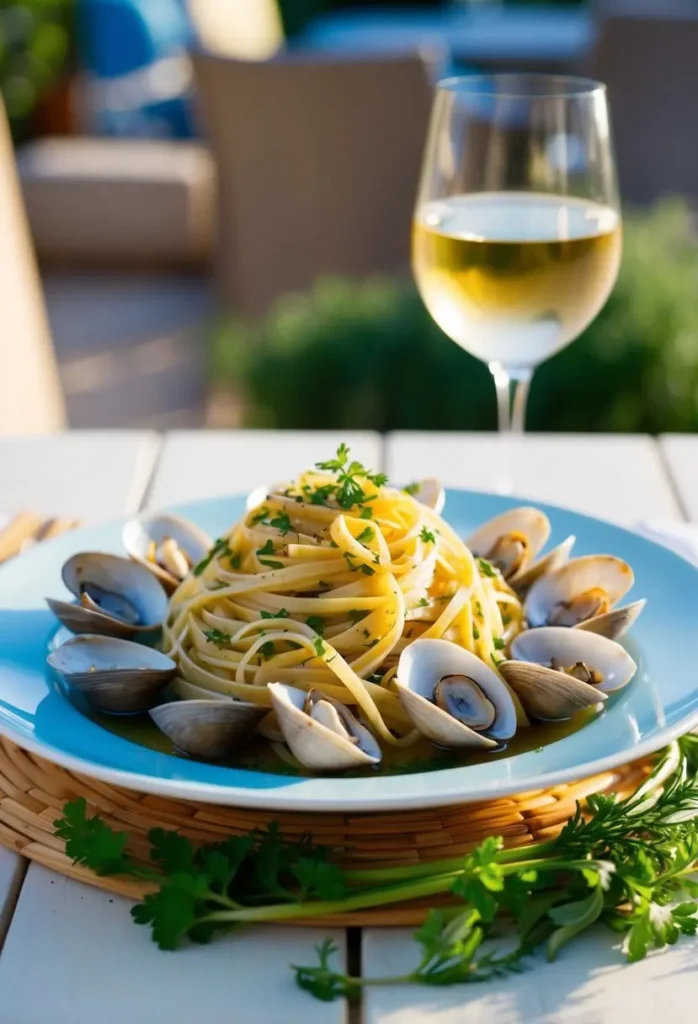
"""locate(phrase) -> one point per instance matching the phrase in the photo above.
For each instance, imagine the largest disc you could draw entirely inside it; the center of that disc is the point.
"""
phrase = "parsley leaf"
(267, 649)
(216, 636)
(486, 568)
(411, 489)
(319, 647)
(281, 522)
(423, 602)
(269, 549)
(281, 614)
(235, 561)
(367, 570)
(220, 547)
(356, 615)
(499, 644)
(366, 513)
(365, 535)
(427, 536)
(259, 515)
(316, 623)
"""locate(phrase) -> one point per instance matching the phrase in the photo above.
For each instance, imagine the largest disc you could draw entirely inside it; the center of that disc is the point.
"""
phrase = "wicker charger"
(33, 792)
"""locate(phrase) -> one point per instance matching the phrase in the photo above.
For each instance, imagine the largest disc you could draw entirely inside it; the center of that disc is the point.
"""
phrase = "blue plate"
(660, 703)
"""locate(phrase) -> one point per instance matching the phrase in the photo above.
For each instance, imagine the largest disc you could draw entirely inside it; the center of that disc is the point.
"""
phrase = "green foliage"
(34, 47)
(367, 355)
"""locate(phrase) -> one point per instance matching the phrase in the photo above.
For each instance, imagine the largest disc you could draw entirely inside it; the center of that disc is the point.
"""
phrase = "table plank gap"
(13, 868)
(680, 457)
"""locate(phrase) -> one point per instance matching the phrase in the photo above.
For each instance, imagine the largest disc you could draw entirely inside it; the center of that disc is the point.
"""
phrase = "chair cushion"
(126, 202)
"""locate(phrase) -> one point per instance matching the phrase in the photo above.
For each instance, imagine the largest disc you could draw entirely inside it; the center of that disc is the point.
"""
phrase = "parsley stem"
(369, 898)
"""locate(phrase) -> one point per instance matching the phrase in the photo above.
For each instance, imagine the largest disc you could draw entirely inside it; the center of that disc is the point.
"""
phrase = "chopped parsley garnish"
(281, 522)
(367, 570)
(267, 649)
(356, 615)
(476, 633)
(365, 535)
(486, 568)
(235, 561)
(423, 603)
(281, 614)
(498, 643)
(366, 633)
(259, 515)
(316, 623)
(216, 636)
(411, 489)
(372, 643)
(319, 647)
(269, 549)
(478, 609)
(497, 661)
(366, 513)
(348, 491)
(320, 495)
(427, 536)
(220, 547)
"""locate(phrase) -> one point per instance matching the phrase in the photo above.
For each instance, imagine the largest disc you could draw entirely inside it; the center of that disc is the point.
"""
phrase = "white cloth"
(680, 537)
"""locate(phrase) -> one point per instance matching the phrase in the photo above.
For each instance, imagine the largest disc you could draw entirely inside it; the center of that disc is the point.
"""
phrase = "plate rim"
(300, 795)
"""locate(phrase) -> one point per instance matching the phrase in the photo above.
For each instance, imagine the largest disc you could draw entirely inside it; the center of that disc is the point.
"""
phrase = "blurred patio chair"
(31, 400)
(650, 65)
(318, 162)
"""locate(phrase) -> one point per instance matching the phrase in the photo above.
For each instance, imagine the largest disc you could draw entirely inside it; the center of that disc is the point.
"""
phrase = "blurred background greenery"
(367, 355)
(35, 42)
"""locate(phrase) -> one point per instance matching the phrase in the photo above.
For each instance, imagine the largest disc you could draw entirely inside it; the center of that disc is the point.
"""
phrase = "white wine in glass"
(516, 237)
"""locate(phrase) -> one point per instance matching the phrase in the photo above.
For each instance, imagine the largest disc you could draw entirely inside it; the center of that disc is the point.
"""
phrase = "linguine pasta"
(323, 585)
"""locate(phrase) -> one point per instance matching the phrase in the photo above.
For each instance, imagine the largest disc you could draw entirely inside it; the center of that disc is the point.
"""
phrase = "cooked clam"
(114, 675)
(207, 729)
(583, 594)
(511, 540)
(115, 597)
(453, 697)
(558, 671)
(321, 733)
(554, 559)
(167, 545)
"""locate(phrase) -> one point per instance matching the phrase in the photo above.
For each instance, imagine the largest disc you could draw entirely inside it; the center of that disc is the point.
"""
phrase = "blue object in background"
(138, 73)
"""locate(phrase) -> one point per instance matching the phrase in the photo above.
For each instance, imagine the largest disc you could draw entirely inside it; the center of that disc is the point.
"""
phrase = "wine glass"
(516, 238)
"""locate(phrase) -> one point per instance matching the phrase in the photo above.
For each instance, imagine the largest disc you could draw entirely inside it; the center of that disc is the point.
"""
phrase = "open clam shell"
(167, 545)
(331, 739)
(584, 590)
(511, 540)
(554, 559)
(549, 693)
(116, 597)
(116, 676)
(477, 695)
(207, 729)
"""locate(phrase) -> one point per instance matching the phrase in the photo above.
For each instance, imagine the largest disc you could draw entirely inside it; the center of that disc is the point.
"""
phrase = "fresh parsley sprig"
(348, 490)
(626, 863)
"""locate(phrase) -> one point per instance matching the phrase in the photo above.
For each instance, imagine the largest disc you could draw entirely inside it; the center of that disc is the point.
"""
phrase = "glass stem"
(512, 392)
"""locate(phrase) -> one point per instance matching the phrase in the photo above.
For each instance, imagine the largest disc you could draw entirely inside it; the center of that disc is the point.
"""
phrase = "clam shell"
(314, 745)
(530, 522)
(547, 694)
(431, 493)
(572, 645)
(116, 575)
(555, 559)
(207, 729)
(575, 578)
(421, 665)
(614, 623)
(114, 675)
(157, 526)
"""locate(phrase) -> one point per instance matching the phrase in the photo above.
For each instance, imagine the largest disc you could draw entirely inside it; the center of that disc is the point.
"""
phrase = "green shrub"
(367, 355)
(34, 47)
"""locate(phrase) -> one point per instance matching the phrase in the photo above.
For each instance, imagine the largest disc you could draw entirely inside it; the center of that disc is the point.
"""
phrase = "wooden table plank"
(86, 475)
(12, 868)
(194, 465)
(681, 455)
(618, 477)
(74, 956)
(590, 983)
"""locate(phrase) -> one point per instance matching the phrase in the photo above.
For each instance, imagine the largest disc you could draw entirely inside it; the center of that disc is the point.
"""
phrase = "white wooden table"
(70, 954)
